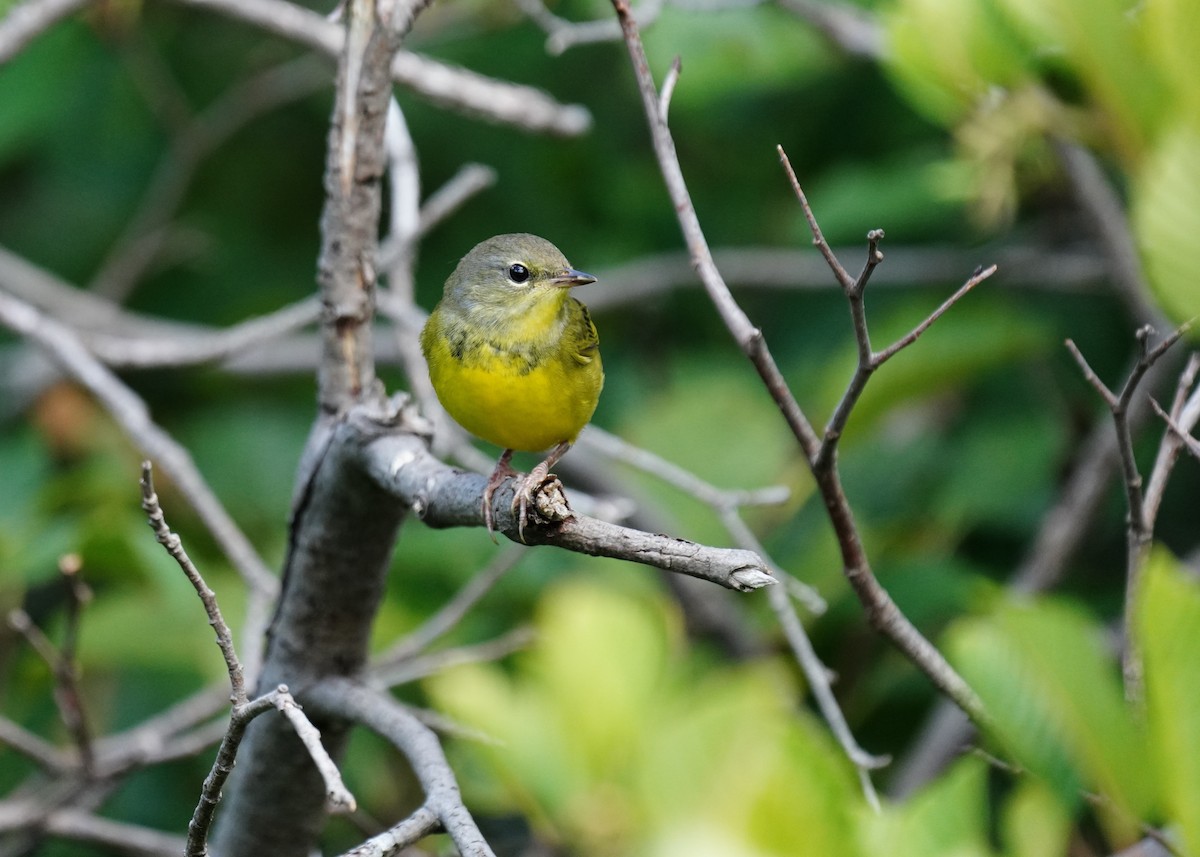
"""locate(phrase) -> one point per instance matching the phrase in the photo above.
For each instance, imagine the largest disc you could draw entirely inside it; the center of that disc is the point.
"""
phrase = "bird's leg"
(503, 471)
(528, 486)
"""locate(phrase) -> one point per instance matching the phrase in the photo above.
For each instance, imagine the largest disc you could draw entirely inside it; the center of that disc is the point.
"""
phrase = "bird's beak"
(570, 278)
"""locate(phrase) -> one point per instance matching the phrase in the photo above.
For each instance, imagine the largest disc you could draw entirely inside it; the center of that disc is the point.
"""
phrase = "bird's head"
(512, 276)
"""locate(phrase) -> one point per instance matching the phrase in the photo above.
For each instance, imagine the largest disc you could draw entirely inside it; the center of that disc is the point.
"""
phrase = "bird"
(515, 358)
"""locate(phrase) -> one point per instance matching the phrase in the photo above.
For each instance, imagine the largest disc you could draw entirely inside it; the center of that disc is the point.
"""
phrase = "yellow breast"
(509, 398)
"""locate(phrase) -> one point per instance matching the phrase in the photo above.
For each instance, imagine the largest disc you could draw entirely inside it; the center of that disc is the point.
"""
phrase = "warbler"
(514, 358)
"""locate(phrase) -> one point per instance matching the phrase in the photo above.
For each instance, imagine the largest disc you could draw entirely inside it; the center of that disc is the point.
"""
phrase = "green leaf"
(1168, 627)
(975, 52)
(949, 817)
(1034, 822)
(611, 739)
(1057, 707)
(1166, 217)
(1171, 28)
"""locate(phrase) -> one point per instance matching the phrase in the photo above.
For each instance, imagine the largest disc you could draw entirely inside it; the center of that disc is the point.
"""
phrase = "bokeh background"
(621, 732)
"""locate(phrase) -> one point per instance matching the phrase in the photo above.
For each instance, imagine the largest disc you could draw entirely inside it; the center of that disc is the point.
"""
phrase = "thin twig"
(453, 611)
(25, 21)
(617, 448)
(818, 682)
(67, 696)
(208, 598)
(397, 838)
(146, 231)
(1138, 532)
(841, 274)
(450, 86)
(337, 796)
(210, 793)
(1192, 445)
(881, 611)
(112, 836)
(379, 712)
(668, 87)
(1185, 412)
(393, 673)
(131, 413)
(868, 359)
(38, 750)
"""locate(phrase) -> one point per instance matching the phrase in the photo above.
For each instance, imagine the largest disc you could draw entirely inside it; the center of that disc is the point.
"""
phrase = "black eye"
(518, 273)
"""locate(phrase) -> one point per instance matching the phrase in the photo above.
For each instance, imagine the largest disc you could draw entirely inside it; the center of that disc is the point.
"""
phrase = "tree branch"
(456, 88)
(881, 610)
(1138, 530)
(131, 414)
(379, 712)
(444, 497)
(25, 21)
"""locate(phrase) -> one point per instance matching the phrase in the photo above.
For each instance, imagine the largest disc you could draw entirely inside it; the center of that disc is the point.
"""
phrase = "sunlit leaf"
(1171, 28)
(1166, 217)
(1051, 687)
(1034, 821)
(975, 51)
(1169, 632)
(947, 819)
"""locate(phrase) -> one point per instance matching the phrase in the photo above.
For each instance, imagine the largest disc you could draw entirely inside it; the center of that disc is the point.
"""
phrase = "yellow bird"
(513, 357)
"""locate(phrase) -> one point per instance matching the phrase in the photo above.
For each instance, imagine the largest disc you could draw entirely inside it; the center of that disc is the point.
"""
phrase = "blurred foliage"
(1009, 74)
(621, 734)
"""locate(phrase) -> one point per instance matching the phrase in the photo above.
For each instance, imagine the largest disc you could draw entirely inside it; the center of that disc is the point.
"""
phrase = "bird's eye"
(518, 273)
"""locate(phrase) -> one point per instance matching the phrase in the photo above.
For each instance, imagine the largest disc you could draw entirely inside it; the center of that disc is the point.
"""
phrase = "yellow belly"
(491, 398)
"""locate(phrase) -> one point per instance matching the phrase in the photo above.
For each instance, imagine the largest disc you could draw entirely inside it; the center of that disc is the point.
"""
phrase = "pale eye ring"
(518, 273)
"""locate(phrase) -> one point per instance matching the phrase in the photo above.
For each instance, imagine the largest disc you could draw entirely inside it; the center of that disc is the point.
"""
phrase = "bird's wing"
(580, 336)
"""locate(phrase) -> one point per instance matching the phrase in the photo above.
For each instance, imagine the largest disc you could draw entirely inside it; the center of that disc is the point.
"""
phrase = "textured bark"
(343, 532)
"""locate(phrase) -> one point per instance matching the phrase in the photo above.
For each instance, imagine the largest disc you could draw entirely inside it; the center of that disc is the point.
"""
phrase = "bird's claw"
(523, 497)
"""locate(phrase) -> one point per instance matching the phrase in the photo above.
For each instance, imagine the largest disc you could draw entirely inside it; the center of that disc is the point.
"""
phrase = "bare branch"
(444, 497)
(454, 610)
(456, 88)
(115, 836)
(210, 793)
(853, 30)
(619, 449)
(974, 280)
(383, 715)
(562, 35)
(174, 546)
(1138, 531)
(1025, 266)
(337, 796)
(839, 273)
(25, 21)
(1192, 445)
(158, 736)
(67, 696)
(392, 673)
(395, 839)
(192, 349)
(131, 413)
(818, 682)
(668, 87)
(1185, 412)
(38, 750)
(881, 610)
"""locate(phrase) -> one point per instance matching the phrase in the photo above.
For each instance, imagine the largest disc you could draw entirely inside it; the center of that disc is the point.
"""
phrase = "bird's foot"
(503, 471)
(526, 491)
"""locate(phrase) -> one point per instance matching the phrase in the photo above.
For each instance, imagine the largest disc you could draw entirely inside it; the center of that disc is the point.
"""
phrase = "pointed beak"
(570, 278)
